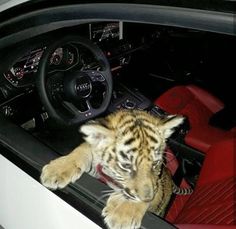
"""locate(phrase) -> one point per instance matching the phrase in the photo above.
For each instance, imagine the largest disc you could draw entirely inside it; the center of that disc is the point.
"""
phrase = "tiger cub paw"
(59, 173)
(123, 213)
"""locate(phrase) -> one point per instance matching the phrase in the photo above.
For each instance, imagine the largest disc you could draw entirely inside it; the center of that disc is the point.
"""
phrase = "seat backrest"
(219, 163)
(199, 106)
(195, 103)
(209, 101)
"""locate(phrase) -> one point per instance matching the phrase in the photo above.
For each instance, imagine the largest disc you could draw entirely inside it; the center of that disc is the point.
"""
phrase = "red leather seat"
(198, 105)
(213, 201)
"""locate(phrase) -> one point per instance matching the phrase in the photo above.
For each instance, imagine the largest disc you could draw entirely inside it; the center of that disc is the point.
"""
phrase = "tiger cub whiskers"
(126, 150)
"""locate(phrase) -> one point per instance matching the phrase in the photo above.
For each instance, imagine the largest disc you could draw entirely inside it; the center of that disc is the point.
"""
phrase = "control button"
(129, 104)
(96, 76)
(88, 114)
(7, 111)
(100, 77)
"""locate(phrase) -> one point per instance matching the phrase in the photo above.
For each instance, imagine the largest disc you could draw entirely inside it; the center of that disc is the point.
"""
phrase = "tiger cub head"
(130, 146)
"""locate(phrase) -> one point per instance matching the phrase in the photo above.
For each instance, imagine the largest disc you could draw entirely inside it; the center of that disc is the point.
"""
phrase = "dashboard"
(23, 68)
(19, 80)
(22, 72)
(63, 58)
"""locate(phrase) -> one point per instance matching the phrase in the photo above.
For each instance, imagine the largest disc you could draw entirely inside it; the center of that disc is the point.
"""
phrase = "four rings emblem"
(83, 87)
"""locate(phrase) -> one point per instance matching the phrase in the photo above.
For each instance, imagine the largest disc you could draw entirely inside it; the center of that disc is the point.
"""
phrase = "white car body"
(26, 204)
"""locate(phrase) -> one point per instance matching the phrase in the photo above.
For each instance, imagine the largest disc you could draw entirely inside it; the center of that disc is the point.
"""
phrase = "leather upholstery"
(205, 226)
(213, 200)
(203, 136)
(179, 201)
(198, 105)
(176, 99)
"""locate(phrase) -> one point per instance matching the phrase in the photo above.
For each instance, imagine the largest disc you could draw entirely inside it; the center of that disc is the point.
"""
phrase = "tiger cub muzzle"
(142, 187)
(145, 193)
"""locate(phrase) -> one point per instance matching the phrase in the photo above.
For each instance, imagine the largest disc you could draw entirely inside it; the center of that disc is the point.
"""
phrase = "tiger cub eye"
(125, 166)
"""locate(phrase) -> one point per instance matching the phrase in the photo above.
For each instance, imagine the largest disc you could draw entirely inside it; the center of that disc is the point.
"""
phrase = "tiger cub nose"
(147, 193)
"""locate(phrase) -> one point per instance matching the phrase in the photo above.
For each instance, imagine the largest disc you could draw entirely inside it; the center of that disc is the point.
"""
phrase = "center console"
(124, 98)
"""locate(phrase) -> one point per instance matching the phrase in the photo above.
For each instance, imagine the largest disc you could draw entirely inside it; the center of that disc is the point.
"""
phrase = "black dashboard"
(23, 71)
(108, 35)
(19, 81)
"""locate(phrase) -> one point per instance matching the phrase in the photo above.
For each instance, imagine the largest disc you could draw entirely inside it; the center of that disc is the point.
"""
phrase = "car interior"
(113, 65)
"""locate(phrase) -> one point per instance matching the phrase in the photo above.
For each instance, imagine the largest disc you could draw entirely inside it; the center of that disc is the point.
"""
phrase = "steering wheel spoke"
(89, 105)
(55, 85)
(77, 112)
(70, 107)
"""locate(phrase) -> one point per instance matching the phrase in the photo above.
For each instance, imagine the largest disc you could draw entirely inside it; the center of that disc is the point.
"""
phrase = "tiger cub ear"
(96, 134)
(169, 123)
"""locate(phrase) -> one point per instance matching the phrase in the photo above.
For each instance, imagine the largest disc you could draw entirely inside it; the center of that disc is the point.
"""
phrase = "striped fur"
(135, 156)
(181, 191)
(129, 148)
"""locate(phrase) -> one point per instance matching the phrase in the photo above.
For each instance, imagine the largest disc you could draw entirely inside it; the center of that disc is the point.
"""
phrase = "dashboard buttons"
(19, 72)
(7, 111)
(11, 78)
(129, 104)
(96, 76)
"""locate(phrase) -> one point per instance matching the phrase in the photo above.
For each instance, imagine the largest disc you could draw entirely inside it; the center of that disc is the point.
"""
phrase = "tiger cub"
(126, 149)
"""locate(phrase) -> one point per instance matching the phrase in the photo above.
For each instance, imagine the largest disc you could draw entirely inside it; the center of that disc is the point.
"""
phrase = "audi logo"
(83, 87)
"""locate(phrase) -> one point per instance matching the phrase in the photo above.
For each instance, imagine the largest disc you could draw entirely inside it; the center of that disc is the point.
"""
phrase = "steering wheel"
(72, 96)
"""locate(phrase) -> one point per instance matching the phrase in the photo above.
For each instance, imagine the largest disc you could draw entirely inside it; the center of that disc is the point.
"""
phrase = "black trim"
(186, 151)
(216, 5)
(45, 20)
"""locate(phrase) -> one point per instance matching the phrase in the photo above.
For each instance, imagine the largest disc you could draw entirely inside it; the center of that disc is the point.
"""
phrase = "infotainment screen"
(105, 31)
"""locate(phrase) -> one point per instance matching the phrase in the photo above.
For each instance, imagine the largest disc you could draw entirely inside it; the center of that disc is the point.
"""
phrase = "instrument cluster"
(22, 72)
